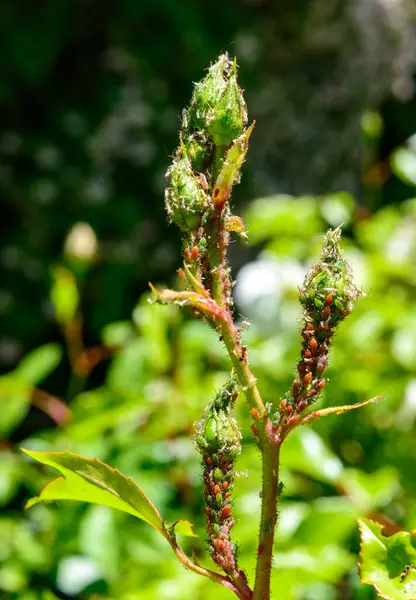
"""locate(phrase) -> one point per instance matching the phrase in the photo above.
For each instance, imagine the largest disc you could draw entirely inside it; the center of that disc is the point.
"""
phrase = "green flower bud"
(185, 199)
(218, 430)
(217, 103)
(226, 121)
(207, 91)
(196, 152)
(330, 283)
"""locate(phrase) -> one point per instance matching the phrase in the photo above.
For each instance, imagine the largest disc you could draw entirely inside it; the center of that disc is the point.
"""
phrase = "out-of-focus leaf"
(89, 480)
(64, 295)
(306, 452)
(39, 363)
(337, 209)
(404, 344)
(281, 215)
(99, 539)
(9, 475)
(14, 401)
(370, 490)
(387, 562)
(117, 334)
(403, 162)
(327, 564)
(13, 577)
(329, 521)
(107, 419)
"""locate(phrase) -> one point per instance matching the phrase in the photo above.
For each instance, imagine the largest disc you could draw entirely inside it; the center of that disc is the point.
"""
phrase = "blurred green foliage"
(164, 368)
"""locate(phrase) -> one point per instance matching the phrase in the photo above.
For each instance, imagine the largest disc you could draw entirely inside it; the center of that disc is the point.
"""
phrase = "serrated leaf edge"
(94, 482)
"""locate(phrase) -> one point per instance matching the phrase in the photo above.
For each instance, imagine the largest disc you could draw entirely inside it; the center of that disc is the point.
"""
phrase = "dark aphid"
(405, 572)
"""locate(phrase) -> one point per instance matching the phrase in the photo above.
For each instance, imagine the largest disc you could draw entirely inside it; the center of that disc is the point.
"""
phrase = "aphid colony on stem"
(213, 144)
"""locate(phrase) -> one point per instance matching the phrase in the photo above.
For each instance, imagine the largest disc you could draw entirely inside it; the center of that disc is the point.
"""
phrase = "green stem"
(239, 359)
(217, 577)
(270, 486)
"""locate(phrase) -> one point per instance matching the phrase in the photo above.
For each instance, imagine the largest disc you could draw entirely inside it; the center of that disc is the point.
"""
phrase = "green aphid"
(218, 475)
(202, 243)
(218, 500)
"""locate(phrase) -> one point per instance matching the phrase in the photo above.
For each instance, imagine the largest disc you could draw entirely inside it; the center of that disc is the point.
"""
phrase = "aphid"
(313, 344)
(307, 379)
(328, 299)
(219, 545)
(405, 572)
(326, 312)
(195, 252)
(203, 181)
(181, 272)
(243, 353)
(255, 414)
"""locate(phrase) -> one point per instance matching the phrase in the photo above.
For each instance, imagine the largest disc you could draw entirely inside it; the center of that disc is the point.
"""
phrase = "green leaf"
(90, 480)
(37, 365)
(183, 528)
(369, 491)
(387, 562)
(306, 452)
(15, 397)
(403, 163)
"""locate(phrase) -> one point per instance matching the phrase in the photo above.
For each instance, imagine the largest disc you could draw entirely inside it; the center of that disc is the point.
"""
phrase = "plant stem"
(269, 496)
(238, 357)
(235, 586)
(270, 449)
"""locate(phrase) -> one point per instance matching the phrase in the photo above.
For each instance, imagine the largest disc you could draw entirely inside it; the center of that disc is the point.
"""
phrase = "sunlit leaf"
(90, 480)
(403, 162)
(306, 452)
(183, 528)
(387, 563)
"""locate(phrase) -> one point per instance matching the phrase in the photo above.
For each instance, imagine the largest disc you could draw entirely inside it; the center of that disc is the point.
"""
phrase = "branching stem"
(241, 591)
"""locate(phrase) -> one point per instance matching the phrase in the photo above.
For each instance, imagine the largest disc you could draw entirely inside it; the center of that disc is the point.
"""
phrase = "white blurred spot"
(76, 573)
(81, 242)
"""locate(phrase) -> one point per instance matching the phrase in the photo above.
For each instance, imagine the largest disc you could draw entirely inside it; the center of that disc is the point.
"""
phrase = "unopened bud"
(330, 280)
(217, 103)
(185, 198)
(218, 430)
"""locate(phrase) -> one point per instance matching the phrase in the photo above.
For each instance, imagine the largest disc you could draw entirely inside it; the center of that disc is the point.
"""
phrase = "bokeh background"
(91, 95)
